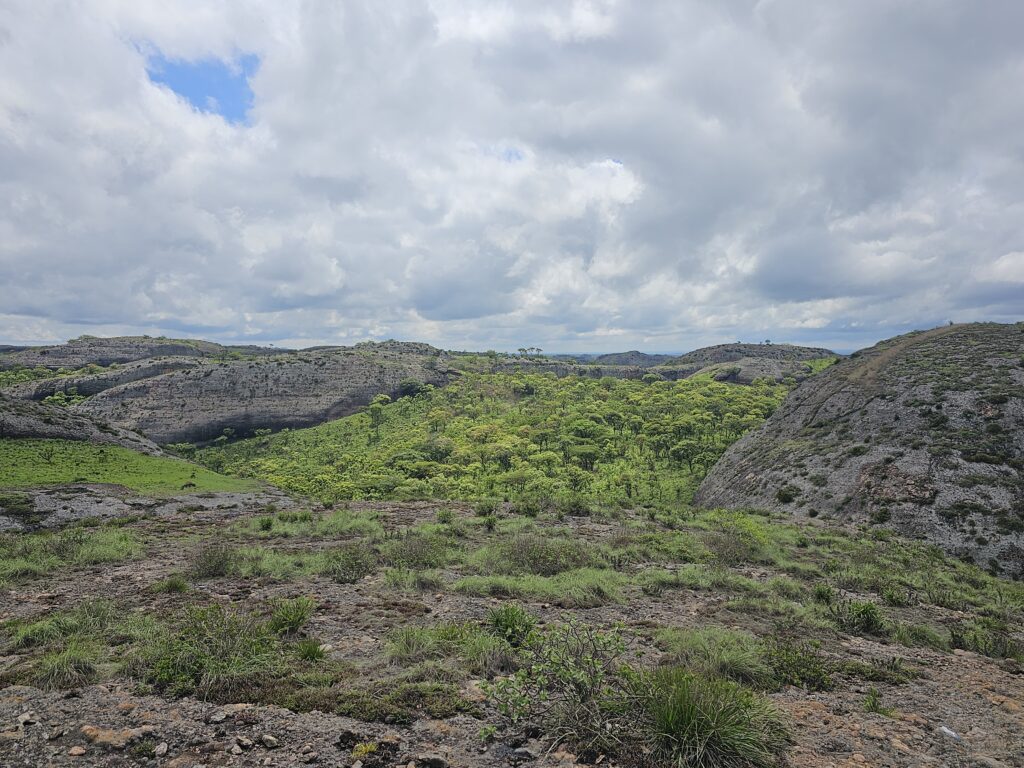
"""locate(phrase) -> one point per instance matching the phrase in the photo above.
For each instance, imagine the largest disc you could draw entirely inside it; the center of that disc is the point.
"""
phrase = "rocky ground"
(961, 709)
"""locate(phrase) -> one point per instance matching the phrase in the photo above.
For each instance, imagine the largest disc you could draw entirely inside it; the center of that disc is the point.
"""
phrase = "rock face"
(197, 403)
(91, 384)
(121, 349)
(923, 433)
(24, 418)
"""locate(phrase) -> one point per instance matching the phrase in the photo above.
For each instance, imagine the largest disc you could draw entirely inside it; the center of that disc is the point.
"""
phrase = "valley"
(396, 555)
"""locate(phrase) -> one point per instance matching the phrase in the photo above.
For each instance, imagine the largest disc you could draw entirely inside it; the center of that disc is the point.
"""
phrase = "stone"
(160, 749)
(76, 751)
(268, 741)
(431, 760)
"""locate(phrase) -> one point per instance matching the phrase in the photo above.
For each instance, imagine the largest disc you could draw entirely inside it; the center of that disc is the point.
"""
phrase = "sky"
(585, 176)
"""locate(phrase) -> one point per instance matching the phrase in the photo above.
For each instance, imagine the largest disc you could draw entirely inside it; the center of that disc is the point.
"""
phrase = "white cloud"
(591, 175)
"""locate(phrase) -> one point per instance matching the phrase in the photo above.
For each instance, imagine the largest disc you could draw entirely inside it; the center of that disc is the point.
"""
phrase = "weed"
(798, 663)
(175, 583)
(511, 622)
(873, 703)
(717, 652)
(289, 616)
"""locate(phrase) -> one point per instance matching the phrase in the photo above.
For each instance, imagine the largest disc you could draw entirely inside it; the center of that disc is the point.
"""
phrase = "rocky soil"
(923, 433)
(962, 709)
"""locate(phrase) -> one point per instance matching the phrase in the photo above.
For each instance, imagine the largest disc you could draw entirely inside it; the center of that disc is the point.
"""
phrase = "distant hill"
(634, 358)
(923, 433)
(94, 350)
(729, 353)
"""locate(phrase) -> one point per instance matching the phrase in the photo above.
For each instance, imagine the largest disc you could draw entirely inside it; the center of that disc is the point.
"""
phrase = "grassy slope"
(33, 463)
(516, 436)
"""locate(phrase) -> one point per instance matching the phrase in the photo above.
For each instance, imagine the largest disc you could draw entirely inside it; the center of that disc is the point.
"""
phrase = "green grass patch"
(31, 463)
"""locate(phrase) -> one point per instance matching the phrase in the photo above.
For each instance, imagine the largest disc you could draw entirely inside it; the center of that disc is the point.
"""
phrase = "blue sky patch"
(209, 85)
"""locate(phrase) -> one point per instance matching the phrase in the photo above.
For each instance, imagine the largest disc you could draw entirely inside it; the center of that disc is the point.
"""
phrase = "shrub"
(213, 652)
(417, 550)
(174, 583)
(309, 649)
(214, 560)
(407, 580)
(858, 617)
(479, 652)
(445, 516)
(800, 664)
(717, 652)
(705, 723)
(485, 507)
(987, 636)
(350, 562)
(736, 538)
(511, 622)
(289, 616)
(915, 635)
(533, 553)
(72, 666)
(824, 594)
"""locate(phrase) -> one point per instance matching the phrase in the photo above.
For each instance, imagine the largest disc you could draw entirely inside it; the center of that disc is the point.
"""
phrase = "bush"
(213, 652)
(72, 666)
(350, 562)
(540, 555)
(417, 550)
(289, 616)
(309, 649)
(858, 617)
(215, 560)
(799, 664)
(706, 723)
(175, 583)
(717, 652)
(511, 622)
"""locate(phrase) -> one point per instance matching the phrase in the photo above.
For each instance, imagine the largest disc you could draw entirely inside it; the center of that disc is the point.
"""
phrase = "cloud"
(591, 175)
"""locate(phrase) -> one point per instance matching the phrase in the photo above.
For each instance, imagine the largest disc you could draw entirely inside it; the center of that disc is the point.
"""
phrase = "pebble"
(76, 751)
(269, 741)
(430, 761)
(217, 717)
(160, 749)
(27, 718)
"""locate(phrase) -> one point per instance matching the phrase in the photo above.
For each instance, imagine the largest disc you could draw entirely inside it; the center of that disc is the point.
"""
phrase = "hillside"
(923, 433)
(105, 351)
(631, 358)
(728, 353)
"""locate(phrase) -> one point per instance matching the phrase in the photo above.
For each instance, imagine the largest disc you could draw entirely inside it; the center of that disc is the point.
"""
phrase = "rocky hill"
(633, 358)
(26, 419)
(923, 433)
(86, 350)
(197, 403)
(728, 353)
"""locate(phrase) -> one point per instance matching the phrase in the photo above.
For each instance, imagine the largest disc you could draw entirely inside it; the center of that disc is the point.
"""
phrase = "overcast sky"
(584, 176)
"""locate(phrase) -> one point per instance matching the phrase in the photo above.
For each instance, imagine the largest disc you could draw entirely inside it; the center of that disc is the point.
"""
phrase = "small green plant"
(824, 594)
(212, 651)
(798, 663)
(707, 723)
(858, 617)
(72, 666)
(309, 649)
(718, 652)
(873, 703)
(289, 616)
(445, 516)
(512, 622)
(350, 562)
(214, 560)
(175, 583)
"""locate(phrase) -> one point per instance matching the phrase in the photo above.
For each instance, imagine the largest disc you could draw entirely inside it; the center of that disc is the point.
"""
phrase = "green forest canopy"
(514, 436)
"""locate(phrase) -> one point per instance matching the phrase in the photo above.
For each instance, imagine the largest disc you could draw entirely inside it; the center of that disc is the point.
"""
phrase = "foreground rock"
(923, 433)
